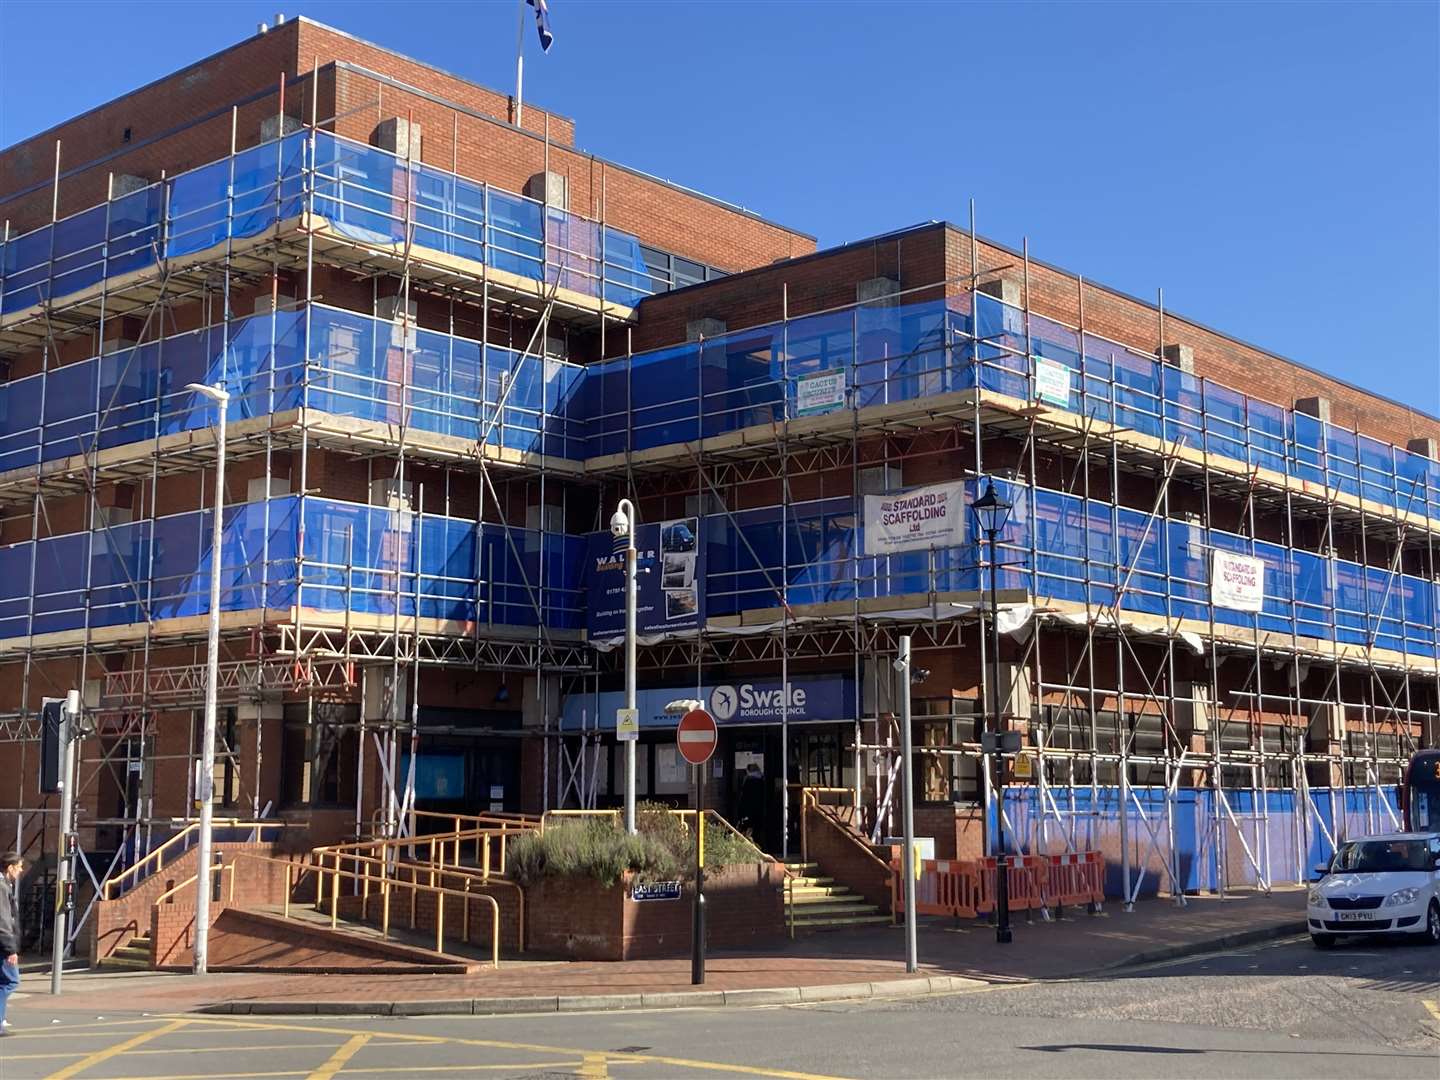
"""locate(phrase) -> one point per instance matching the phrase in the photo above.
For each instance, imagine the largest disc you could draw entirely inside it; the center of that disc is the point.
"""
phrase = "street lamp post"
(206, 786)
(64, 856)
(992, 512)
(908, 677)
(623, 524)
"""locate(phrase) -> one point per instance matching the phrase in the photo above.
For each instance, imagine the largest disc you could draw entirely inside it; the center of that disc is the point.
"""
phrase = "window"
(227, 756)
(686, 272)
(669, 271)
(318, 756)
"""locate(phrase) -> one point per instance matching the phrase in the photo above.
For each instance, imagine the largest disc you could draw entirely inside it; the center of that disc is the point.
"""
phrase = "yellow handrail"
(111, 884)
(445, 849)
(808, 800)
(224, 868)
(473, 820)
(386, 883)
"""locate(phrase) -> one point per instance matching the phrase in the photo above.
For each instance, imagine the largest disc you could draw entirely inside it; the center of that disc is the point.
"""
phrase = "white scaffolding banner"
(926, 517)
(1237, 582)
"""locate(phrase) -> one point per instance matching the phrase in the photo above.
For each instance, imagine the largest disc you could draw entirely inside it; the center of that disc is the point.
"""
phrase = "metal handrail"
(224, 868)
(385, 883)
(808, 799)
(109, 888)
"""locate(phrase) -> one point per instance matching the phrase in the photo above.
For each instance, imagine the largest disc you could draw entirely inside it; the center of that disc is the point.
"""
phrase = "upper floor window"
(669, 271)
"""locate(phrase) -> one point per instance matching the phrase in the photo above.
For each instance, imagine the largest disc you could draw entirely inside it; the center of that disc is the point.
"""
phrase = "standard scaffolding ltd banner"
(924, 517)
(1237, 582)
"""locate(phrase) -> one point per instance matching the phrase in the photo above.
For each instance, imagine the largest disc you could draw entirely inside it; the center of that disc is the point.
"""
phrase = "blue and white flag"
(542, 23)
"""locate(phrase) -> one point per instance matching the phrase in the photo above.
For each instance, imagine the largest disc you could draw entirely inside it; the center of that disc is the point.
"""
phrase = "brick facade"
(846, 856)
(581, 919)
(184, 120)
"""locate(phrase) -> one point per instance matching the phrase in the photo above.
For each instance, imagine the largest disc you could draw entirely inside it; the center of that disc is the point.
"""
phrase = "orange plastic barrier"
(944, 887)
(966, 888)
(1024, 877)
(1077, 878)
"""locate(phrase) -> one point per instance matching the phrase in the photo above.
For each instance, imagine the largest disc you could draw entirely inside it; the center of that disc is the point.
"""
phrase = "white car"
(1379, 885)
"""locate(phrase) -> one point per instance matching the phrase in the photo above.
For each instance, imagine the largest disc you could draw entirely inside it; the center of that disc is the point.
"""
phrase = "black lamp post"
(992, 512)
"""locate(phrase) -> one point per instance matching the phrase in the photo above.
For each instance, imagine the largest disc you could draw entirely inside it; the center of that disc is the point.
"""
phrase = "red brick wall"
(425, 906)
(114, 922)
(941, 253)
(841, 854)
(818, 283)
(581, 919)
(1055, 293)
(670, 217)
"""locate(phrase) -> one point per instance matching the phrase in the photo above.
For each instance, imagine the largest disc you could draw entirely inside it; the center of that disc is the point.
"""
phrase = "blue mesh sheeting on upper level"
(377, 561)
(364, 367)
(360, 558)
(138, 393)
(368, 194)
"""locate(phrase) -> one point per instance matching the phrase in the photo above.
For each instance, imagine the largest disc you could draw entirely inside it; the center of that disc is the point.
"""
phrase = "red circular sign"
(696, 736)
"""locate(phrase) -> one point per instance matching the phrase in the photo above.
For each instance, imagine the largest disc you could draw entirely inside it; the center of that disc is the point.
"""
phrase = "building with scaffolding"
(453, 343)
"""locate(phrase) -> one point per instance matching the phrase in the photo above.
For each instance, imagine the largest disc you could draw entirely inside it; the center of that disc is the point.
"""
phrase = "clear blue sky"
(1274, 167)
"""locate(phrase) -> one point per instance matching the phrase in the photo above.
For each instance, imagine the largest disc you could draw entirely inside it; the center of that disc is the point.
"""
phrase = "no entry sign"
(696, 736)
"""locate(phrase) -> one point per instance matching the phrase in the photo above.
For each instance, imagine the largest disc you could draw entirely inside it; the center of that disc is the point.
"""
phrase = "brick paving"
(1040, 950)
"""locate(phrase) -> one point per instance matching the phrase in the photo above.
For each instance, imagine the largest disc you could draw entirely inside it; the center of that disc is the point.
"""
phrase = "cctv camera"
(619, 525)
(899, 664)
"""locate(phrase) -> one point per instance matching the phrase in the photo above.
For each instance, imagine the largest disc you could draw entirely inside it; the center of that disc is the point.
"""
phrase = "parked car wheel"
(1432, 924)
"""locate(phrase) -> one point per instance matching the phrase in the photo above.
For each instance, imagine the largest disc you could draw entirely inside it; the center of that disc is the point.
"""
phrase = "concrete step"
(840, 921)
(117, 960)
(844, 896)
(819, 890)
(795, 865)
(826, 911)
(803, 882)
(140, 941)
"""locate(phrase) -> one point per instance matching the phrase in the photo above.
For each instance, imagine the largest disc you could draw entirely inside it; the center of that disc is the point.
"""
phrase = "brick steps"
(134, 955)
(816, 903)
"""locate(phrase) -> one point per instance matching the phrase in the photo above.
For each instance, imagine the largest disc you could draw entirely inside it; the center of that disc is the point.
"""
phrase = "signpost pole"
(697, 930)
(907, 771)
(696, 737)
(623, 525)
(64, 858)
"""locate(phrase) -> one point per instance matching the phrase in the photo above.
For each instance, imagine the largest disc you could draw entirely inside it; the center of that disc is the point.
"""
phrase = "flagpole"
(520, 65)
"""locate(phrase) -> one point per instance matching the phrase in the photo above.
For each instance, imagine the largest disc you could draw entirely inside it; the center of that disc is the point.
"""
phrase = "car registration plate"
(1354, 916)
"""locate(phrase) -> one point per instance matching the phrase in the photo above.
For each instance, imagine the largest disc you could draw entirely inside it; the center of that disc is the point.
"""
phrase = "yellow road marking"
(594, 1068)
(64, 1033)
(182, 1050)
(496, 1044)
(340, 1057)
(449, 1070)
(76, 1068)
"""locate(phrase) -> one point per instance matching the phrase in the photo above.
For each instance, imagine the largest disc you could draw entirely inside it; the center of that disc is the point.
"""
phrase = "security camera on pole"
(627, 720)
(205, 788)
(60, 730)
(909, 676)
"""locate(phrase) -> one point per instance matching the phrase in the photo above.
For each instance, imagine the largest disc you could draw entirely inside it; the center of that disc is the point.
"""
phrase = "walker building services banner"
(670, 565)
(924, 517)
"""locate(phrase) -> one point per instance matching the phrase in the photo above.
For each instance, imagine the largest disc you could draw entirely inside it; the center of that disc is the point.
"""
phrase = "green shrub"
(598, 847)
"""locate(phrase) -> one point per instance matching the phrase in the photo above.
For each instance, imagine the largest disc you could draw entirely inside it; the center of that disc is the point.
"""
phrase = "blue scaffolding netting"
(379, 561)
(340, 362)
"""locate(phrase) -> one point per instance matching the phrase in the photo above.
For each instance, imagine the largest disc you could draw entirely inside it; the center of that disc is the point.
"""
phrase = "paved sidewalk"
(1057, 950)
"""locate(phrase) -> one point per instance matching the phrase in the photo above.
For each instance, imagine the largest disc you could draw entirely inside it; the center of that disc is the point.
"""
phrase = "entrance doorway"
(816, 758)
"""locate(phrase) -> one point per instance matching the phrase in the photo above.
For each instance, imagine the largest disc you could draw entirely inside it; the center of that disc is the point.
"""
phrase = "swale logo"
(724, 702)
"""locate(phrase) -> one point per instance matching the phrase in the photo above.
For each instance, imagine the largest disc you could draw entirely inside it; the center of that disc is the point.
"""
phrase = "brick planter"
(579, 918)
